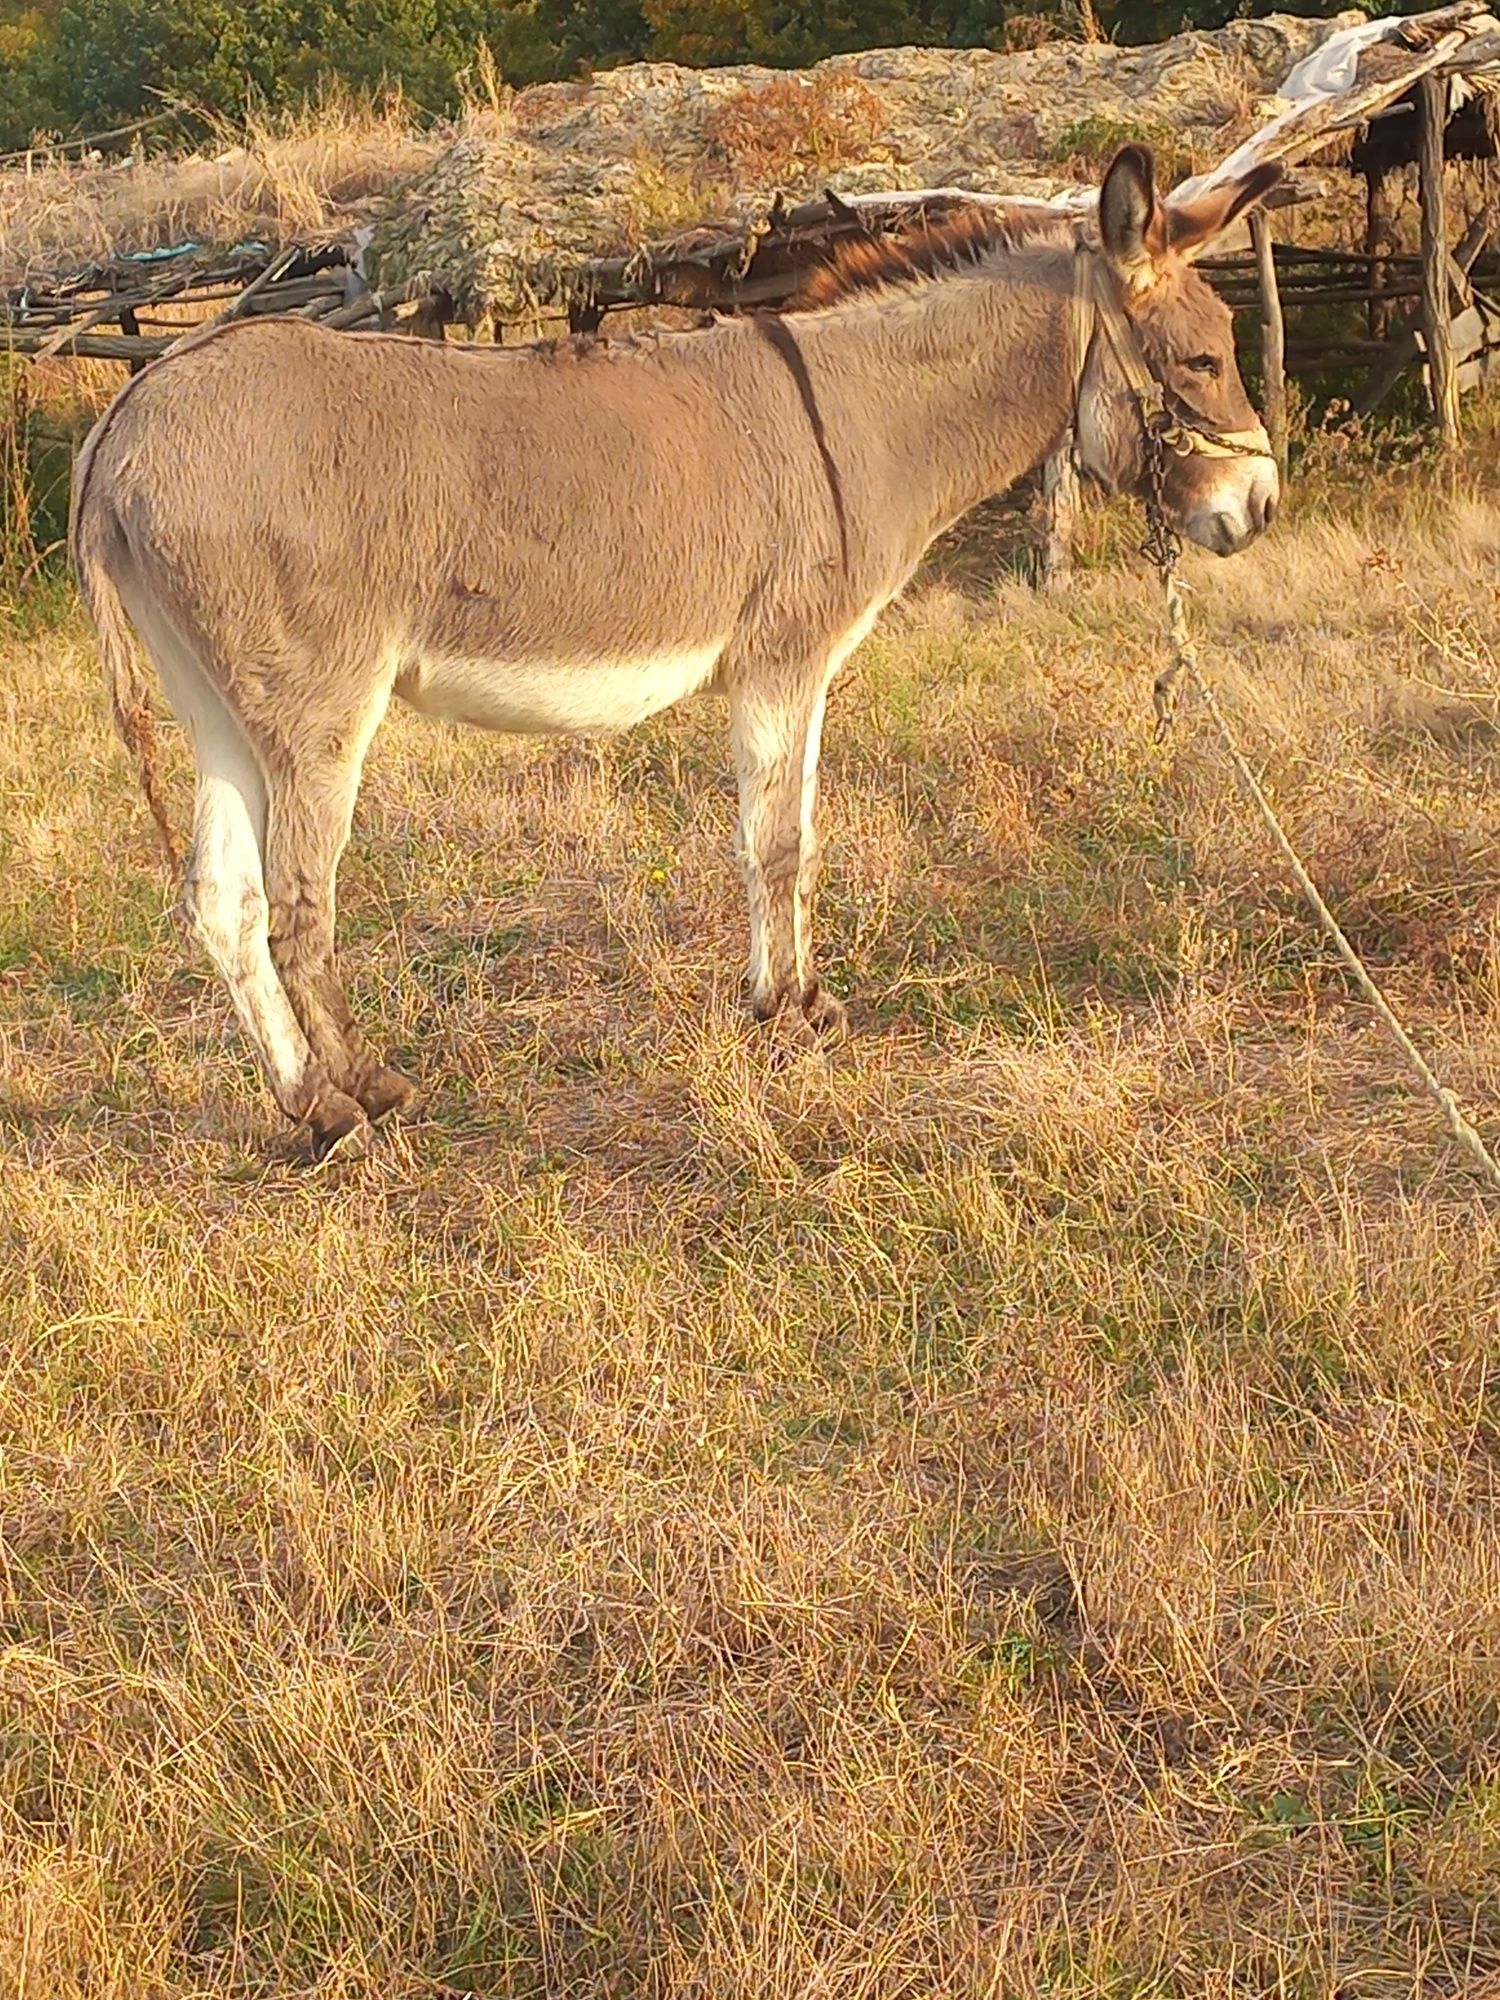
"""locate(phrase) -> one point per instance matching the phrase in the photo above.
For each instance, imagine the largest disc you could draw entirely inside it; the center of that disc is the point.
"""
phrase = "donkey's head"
(1219, 480)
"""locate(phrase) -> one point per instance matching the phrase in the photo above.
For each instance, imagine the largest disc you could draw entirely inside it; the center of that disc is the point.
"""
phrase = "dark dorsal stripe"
(784, 341)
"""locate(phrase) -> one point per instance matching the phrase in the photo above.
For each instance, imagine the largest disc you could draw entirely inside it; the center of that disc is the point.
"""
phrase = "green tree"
(773, 31)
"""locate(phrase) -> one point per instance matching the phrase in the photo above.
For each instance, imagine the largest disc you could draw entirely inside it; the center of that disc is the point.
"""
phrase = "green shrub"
(1092, 143)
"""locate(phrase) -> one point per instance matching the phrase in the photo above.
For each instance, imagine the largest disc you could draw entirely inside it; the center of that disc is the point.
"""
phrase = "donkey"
(299, 524)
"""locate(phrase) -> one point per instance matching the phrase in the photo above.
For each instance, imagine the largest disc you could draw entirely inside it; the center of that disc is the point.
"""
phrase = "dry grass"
(1008, 1511)
(826, 120)
(269, 178)
(663, 199)
(18, 549)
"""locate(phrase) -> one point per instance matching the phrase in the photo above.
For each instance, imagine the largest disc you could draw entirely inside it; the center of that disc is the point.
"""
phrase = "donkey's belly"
(552, 698)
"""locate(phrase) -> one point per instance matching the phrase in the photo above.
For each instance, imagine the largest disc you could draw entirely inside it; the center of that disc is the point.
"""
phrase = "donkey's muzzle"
(1241, 505)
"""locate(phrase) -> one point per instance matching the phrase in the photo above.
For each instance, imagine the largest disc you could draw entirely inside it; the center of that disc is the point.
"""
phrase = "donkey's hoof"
(786, 1036)
(827, 1016)
(337, 1124)
(387, 1091)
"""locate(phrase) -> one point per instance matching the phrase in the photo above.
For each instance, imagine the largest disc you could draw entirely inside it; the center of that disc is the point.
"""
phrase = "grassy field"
(1007, 1509)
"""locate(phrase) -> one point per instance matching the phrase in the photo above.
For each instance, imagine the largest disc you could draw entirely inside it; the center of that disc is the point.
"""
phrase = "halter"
(1166, 426)
(1163, 429)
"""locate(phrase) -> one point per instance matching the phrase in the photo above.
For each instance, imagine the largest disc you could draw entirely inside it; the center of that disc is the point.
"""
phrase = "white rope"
(1185, 660)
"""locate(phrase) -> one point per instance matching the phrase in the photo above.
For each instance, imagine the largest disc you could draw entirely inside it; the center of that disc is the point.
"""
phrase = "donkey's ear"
(1194, 224)
(1131, 225)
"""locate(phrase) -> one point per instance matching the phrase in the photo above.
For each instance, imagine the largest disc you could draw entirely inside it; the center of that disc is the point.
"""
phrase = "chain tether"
(1161, 548)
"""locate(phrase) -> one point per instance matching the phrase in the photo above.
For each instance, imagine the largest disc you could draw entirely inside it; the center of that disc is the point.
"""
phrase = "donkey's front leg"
(777, 727)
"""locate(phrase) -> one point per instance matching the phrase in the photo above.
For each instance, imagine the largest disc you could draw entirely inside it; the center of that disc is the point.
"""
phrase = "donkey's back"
(283, 489)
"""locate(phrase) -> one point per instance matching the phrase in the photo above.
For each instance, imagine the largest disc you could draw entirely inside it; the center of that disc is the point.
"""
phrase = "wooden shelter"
(1376, 100)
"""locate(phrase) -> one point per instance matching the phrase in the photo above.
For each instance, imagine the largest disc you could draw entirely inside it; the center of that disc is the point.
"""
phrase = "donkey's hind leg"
(311, 812)
(224, 900)
(777, 732)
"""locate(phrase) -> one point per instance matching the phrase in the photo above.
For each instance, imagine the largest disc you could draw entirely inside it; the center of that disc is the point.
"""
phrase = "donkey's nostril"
(1262, 509)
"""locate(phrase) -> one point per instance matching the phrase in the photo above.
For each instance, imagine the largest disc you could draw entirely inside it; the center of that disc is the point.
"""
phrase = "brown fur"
(893, 258)
(300, 524)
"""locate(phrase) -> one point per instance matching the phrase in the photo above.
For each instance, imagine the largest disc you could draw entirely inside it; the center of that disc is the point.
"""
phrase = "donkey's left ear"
(1194, 224)
(1132, 225)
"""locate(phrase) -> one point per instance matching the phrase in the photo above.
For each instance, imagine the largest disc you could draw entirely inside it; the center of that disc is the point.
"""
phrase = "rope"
(1094, 305)
(1185, 661)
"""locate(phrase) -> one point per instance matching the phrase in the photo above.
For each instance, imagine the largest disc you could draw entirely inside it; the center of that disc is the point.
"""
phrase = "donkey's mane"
(955, 244)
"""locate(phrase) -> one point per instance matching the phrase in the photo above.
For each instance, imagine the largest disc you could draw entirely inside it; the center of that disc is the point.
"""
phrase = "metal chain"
(1162, 545)
(1161, 548)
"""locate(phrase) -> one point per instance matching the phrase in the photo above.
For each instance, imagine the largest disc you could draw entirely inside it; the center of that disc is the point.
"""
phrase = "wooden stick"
(1432, 102)
(367, 306)
(1352, 348)
(258, 283)
(91, 346)
(1301, 253)
(374, 305)
(1272, 338)
(69, 331)
(95, 139)
(1377, 243)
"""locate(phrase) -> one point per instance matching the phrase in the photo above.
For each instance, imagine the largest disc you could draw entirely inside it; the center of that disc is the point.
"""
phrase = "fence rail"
(133, 308)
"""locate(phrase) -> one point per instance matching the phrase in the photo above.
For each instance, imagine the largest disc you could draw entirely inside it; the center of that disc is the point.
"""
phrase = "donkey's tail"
(92, 535)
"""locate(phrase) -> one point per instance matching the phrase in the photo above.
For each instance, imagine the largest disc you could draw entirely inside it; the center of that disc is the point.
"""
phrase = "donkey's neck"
(966, 382)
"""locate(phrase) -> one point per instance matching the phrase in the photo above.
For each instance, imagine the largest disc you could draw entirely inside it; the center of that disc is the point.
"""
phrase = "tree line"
(79, 66)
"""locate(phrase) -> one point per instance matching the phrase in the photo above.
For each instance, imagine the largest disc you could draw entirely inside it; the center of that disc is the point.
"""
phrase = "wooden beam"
(278, 266)
(1380, 240)
(45, 152)
(70, 329)
(1272, 338)
(96, 346)
(379, 306)
(1432, 105)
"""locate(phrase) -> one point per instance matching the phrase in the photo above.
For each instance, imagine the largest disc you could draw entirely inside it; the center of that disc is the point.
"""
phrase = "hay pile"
(502, 220)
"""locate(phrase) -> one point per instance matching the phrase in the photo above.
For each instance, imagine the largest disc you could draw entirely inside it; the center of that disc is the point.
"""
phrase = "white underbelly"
(546, 698)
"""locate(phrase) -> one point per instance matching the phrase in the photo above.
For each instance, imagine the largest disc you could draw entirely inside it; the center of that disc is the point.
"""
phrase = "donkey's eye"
(1204, 364)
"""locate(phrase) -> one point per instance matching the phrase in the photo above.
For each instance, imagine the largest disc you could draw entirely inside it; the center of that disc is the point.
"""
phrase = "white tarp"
(1330, 75)
(1334, 68)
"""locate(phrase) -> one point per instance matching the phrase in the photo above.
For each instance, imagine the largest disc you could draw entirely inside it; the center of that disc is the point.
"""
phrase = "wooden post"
(1432, 114)
(433, 316)
(130, 326)
(1272, 337)
(1379, 240)
(1060, 513)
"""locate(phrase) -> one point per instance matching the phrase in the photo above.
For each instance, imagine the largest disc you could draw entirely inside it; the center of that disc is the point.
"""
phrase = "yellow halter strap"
(1096, 305)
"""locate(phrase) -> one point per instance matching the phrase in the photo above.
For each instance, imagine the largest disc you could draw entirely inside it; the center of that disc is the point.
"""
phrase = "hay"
(504, 222)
